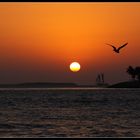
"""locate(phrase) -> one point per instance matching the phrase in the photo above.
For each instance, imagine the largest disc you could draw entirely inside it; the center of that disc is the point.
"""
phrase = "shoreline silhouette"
(125, 84)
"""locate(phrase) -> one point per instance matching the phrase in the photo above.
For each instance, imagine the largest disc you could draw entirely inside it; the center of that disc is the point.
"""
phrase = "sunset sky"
(38, 41)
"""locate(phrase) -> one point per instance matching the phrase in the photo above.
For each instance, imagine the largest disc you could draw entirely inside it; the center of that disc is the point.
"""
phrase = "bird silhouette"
(115, 49)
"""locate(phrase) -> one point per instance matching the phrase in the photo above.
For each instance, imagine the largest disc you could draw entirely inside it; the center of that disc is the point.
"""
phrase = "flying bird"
(117, 50)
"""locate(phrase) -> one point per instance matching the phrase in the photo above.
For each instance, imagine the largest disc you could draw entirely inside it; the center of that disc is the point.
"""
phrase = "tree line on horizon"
(134, 72)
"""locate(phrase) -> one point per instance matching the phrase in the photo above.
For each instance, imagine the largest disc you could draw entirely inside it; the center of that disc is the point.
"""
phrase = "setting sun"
(74, 66)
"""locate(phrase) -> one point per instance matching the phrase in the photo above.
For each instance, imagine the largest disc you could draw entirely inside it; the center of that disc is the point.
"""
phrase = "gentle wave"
(74, 112)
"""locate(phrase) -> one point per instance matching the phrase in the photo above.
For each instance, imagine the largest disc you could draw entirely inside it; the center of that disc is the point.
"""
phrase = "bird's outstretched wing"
(111, 46)
(122, 46)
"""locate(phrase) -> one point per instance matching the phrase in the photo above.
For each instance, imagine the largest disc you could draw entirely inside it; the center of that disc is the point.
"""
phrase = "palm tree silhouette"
(131, 71)
(137, 71)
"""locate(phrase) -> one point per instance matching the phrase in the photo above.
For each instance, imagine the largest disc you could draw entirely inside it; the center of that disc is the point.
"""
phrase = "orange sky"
(38, 41)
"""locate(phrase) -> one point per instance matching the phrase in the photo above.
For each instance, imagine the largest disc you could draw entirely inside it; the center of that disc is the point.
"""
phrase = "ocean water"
(69, 112)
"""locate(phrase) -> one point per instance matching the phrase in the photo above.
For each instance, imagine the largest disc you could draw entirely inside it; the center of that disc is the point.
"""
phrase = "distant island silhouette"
(43, 85)
(38, 85)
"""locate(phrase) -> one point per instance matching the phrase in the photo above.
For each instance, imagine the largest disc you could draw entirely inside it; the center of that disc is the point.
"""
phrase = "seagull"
(117, 50)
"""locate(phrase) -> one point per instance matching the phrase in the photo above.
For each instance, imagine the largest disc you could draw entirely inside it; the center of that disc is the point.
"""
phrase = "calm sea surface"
(70, 112)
